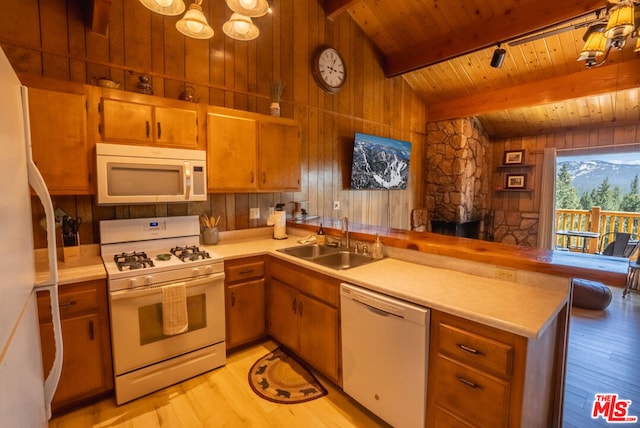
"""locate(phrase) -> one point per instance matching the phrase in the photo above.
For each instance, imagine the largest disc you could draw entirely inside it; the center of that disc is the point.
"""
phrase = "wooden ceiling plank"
(584, 83)
(335, 8)
(524, 19)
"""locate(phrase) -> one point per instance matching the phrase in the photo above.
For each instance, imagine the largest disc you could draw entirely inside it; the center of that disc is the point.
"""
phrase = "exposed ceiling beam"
(596, 81)
(334, 8)
(100, 13)
(530, 16)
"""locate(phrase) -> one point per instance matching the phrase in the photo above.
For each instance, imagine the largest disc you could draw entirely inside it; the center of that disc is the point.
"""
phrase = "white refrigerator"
(25, 397)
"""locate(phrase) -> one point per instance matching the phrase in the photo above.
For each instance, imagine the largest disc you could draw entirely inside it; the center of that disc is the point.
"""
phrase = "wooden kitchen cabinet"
(245, 300)
(87, 370)
(481, 376)
(302, 314)
(231, 152)
(279, 155)
(143, 119)
(251, 152)
(60, 144)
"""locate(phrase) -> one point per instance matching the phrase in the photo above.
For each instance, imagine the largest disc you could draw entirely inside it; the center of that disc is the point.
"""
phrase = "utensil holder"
(210, 236)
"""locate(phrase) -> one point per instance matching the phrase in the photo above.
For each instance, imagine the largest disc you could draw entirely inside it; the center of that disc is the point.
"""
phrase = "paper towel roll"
(279, 222)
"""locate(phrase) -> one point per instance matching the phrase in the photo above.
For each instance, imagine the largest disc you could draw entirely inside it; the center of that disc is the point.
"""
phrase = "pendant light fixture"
(240, 27)
(250, 8)
(165, 7)
(600, 38)
(194, 23)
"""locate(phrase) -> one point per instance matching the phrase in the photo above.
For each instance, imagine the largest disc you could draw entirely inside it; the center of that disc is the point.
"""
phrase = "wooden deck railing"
(605, 223)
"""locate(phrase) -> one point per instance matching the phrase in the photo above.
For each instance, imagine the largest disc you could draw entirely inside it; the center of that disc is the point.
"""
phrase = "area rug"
(280, 378)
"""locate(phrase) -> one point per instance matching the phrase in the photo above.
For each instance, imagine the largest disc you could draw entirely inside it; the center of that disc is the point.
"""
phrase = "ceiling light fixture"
(165, 7)
(194, 23)
(498, 57)
(600, 38)
(240, 27)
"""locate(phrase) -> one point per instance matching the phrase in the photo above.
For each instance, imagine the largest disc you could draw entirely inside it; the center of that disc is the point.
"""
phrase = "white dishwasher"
(385, 354)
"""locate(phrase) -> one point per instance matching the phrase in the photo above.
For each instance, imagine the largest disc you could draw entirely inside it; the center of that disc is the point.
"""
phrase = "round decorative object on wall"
(329, 69)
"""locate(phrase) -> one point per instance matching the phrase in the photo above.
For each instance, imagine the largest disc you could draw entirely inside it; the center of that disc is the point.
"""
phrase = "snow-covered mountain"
(379, 166)
(587, 175)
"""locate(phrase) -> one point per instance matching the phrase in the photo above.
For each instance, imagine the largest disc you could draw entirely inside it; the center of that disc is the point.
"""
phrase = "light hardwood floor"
(222, 398)
(603, 357)
(604, 348)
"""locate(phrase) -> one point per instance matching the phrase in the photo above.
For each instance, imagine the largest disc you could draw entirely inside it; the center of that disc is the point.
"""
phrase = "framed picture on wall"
(516, 181)
(513, 157)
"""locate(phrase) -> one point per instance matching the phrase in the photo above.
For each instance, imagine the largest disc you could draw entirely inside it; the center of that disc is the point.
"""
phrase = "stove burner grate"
(133, 260)
(189, 253)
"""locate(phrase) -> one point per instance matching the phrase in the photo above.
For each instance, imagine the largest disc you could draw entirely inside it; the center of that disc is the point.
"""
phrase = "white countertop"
(521, 309)
(526, 310)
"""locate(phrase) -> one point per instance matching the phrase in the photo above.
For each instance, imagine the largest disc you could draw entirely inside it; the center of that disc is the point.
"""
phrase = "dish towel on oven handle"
(174, 309)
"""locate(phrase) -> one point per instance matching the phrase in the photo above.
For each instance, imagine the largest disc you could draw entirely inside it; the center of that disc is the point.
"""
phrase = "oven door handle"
(154, 289)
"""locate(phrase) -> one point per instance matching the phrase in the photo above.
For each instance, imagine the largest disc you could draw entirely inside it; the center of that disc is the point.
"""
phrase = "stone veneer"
(458, 170)
(515, 227)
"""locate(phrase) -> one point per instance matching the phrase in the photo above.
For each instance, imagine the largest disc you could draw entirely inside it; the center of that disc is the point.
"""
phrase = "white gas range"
(144, 258)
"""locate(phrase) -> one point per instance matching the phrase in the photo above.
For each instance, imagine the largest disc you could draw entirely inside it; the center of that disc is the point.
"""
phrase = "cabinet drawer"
(242, 270)
(73, 300)
(478, 351)
(445, 419)
(471, 395)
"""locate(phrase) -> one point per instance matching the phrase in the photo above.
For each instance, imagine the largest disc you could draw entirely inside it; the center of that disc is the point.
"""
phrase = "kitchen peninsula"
(533, 334)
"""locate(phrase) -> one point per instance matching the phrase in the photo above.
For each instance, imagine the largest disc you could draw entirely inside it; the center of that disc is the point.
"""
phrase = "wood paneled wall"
(51, 38)
(611, 139)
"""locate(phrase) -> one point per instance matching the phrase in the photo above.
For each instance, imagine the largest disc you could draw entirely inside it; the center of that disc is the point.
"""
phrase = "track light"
(498, 57)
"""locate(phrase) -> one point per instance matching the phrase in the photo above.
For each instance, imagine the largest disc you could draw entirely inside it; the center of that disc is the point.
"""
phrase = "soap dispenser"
(320, 237)
(376, 251)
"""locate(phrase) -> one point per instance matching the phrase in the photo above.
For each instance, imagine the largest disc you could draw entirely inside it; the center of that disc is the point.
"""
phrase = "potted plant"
(277, 88)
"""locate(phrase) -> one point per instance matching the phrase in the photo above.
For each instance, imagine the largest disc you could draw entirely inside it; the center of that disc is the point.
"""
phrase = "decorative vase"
(275, 109)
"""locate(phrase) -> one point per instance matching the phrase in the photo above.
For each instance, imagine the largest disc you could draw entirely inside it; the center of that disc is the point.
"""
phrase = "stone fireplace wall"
(458, 171)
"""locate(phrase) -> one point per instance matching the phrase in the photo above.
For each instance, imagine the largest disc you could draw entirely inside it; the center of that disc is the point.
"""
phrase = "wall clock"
(329, 69)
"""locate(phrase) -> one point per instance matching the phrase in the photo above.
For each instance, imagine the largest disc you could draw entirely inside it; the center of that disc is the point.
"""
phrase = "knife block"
(72, 252)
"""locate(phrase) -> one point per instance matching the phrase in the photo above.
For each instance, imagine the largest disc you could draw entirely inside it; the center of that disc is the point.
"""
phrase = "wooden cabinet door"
(283, 314)
(279, 155)
(245, 312)
(59, 140)
(318, 325)
(176, 127)
(128, 122)
(231, 152)
(82, 372)
(86, 367)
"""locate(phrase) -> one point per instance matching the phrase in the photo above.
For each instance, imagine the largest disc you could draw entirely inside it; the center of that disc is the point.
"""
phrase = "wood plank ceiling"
(443, 49)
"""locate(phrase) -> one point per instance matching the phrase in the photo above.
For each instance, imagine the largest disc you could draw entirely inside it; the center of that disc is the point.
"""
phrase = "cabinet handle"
(246, 272)
(233, 299)
(468, 349)
(253, 177)
(148, 128)
(294, 306)
(159, 131)
(300, 307)
(67, 305)
(91, 334)
(264, 178)
(468, 382)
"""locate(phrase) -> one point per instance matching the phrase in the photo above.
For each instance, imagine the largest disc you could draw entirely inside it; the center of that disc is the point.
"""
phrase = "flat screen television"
(379, 163)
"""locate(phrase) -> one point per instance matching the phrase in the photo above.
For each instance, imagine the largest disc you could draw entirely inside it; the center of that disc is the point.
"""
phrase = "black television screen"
(379, 163)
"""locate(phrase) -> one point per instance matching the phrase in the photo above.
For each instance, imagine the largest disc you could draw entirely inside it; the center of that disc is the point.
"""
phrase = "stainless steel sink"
(343, 260)
(335, 258)
(309, 251)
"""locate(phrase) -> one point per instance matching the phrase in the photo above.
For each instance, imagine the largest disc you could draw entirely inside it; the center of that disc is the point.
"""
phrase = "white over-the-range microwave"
(146, 175)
